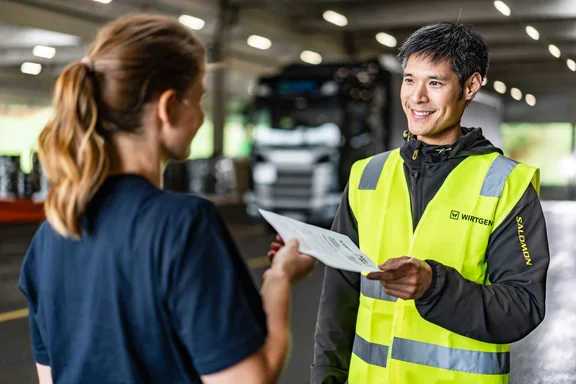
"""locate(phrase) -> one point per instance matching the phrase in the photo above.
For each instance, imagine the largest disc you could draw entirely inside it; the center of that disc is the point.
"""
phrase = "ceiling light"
(259, 42)
(516, 94)
(103, 1)
(532, 32)
(386, 39)
(500, 87)
(571, 64)
(554, 50)
(311, 57)
(485, 81)
(335, 18)
(530, 100)
(502, 7)
(43, 51)
(31, 68)
(192, 22)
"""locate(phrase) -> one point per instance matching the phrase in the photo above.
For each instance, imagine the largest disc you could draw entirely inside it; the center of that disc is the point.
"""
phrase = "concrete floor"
(548, 355)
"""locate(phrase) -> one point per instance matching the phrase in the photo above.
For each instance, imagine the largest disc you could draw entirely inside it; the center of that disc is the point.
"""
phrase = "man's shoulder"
(504, 162)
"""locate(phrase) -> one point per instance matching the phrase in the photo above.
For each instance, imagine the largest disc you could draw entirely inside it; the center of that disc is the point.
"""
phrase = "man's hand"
(404, 278)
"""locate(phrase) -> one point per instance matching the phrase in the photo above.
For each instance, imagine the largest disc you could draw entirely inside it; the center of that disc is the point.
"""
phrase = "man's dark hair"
(455, 44)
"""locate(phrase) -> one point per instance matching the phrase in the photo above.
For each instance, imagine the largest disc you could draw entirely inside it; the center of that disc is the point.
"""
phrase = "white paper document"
(333, 249)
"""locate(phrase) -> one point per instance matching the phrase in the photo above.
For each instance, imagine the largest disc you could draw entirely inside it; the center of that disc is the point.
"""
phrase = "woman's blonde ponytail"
(72, 153)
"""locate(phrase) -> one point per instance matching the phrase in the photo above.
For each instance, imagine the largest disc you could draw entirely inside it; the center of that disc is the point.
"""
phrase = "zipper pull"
(415, 154)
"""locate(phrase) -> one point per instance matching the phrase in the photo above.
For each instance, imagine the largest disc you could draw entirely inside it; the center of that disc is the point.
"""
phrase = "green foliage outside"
(546, 146)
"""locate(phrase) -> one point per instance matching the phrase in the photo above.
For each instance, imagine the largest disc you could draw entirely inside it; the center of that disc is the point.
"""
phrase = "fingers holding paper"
(403, 277)
(291, 263)
(275, 247)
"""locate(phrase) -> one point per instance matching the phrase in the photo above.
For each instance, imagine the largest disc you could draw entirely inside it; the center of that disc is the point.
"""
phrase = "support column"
(217, 58)
(572, 180)
(349, 45)
(218, 105)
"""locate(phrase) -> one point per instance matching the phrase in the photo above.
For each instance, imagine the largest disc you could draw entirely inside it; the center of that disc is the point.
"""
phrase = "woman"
(127, 283)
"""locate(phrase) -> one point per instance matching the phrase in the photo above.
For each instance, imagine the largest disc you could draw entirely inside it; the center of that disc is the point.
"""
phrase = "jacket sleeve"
(513, 304)
(336, 323)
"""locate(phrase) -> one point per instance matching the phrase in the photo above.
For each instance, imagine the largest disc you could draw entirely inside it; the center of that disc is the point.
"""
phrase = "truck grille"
(291, 184)
(292, 187)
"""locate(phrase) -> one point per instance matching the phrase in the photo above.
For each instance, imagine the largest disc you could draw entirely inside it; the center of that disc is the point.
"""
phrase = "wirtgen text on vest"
(478, 220)
(455, 215)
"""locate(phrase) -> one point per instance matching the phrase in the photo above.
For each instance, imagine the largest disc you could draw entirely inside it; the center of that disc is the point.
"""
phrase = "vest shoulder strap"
(364, 176)
(372, 172)
(508, 182)
(497, 175)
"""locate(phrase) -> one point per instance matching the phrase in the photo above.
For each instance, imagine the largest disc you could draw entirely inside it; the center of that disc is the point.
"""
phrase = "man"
(456, 228)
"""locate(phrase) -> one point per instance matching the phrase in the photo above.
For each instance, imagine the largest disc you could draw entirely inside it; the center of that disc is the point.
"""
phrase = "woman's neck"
(133, 154)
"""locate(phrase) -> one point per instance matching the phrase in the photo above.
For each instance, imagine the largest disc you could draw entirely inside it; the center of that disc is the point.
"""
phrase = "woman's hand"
(274, 247)
(288, 262)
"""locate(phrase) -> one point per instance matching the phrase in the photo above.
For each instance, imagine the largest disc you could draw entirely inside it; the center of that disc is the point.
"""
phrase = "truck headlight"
(264, 173)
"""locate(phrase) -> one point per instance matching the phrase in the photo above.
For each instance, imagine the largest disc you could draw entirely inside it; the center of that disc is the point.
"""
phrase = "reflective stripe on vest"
(492, 186)
(496, 176)
(372, 172)
(374, 290)
(371, 353)
(487, 363)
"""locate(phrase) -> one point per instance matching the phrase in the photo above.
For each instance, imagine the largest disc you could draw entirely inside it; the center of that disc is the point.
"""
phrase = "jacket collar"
(471, 142)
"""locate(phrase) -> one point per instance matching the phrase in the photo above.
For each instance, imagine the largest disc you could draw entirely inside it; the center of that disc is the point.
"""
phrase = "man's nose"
(419, 95)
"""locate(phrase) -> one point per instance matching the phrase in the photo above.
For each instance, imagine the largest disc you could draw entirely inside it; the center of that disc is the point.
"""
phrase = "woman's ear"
(167, 107)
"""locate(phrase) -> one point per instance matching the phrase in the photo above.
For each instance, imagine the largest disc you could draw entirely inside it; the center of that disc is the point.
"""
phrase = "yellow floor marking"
(258, 262)
(13, 315)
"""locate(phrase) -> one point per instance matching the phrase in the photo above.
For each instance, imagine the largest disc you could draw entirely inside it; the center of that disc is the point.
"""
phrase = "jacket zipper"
(417, 178)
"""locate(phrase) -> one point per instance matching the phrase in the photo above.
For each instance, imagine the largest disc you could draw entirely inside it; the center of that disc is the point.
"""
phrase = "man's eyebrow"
(434, 77)
(438, 77)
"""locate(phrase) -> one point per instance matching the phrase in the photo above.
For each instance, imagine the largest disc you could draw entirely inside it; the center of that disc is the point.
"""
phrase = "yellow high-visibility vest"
(393, 343)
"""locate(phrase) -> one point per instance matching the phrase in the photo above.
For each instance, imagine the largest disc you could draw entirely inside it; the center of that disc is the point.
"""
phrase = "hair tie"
(88, 64)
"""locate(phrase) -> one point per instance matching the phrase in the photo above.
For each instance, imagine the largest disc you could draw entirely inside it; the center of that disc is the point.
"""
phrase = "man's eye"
(407, 80)
(434, 83)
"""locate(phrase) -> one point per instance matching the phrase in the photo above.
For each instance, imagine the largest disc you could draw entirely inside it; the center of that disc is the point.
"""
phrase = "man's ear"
(472, 86)
(167, 107)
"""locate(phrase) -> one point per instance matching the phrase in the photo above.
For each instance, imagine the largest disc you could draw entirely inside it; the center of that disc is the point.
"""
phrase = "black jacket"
(503, 312)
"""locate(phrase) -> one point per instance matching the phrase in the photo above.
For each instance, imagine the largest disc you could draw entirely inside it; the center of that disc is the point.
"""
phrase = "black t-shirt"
(154, 292)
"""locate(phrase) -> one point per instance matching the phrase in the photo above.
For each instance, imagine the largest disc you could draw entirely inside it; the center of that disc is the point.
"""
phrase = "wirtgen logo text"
(456, 215)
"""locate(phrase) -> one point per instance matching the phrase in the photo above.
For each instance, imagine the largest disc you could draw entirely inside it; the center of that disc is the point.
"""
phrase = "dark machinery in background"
(16, 184)
(310, 124)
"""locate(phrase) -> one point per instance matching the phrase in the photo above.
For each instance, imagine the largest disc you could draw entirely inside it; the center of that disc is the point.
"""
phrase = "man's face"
(431, 98)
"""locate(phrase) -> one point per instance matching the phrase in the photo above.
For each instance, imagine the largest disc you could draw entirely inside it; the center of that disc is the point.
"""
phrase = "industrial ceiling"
(294, 26)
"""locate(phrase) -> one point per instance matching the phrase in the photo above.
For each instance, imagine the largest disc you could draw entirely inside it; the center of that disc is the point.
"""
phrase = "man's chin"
(418, 130)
